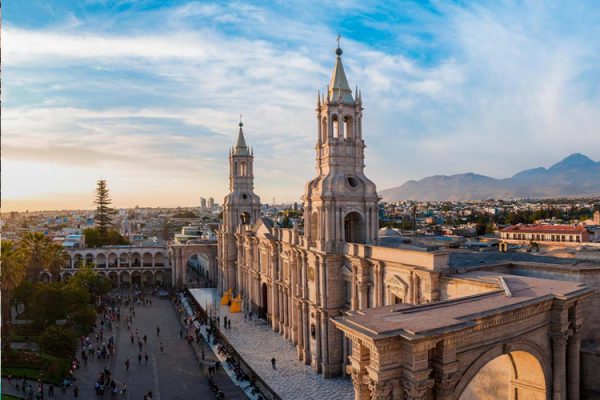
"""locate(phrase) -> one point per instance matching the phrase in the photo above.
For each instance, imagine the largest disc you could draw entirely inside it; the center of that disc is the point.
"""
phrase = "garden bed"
(29, 364)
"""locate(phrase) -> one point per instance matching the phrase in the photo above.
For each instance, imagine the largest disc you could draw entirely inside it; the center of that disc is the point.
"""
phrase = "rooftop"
(413, 322)
(560, 229)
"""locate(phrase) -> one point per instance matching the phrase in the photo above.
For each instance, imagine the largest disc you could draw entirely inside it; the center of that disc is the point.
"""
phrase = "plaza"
(257, 344)
(177, 373)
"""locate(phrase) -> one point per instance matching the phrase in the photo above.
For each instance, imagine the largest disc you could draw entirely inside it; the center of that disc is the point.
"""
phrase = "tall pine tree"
(104, 212)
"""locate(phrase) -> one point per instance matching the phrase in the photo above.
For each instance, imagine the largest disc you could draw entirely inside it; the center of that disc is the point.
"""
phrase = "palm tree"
(12, 273)
(35, 249)
(56, 259)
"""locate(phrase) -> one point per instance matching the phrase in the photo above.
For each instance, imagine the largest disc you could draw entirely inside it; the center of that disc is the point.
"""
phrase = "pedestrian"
(51, 390)
(140, 359)
(140, 345)
(75, 391)
(146, 358)
(229, 324)
(9, 379)
(273, 362)
(181, 334)
(131, 337)
(157, 331)
(202, 354)
(127, 363)
(145, 339)
(124, 389)
(161, 347)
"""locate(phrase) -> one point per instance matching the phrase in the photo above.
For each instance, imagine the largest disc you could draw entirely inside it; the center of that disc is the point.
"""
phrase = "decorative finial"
(241, 123)
(338, 51)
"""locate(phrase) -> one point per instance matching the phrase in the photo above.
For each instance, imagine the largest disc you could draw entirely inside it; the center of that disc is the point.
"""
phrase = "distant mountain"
(576, 175)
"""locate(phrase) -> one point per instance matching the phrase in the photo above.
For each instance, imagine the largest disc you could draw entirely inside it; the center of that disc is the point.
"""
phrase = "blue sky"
(147, 94)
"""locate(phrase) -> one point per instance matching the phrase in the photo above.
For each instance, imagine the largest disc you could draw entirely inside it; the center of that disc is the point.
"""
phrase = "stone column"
(559, 375)
(574, 348)
(358, 361)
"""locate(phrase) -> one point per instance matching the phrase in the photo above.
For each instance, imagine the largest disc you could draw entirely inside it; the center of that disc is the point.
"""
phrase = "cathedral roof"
(241, 148)
(339, 90)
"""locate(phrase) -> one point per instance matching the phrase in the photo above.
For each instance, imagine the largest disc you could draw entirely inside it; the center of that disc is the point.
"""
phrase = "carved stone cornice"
(419, 390)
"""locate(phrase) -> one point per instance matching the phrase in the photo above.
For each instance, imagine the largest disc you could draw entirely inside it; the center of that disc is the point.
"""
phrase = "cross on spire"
(338, 39)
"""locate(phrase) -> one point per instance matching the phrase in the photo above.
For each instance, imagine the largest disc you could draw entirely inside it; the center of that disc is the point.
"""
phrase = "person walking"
(76, 391)
(145, 339)
(157, 331)
(146, 358)
(161, 347)
(127, 363)
(124, 389)
(273, 363)
(51, 390)
(140, 359)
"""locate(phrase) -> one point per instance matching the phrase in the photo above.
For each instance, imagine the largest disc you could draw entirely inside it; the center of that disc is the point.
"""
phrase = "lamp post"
(41, 382)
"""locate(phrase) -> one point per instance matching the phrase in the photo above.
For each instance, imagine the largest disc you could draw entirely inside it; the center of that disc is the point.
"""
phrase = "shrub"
(58, 341)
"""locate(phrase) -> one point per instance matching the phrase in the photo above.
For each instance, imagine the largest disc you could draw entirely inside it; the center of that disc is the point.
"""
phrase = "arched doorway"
(136, 278)
(264, 302)
(354, 228)
(511, 376)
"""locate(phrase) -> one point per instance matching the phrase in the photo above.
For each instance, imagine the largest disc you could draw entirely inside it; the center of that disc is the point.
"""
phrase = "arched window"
(235, 168)
(354, 228)
(324, 130)
(245, 217)
(243, 171)
(314, 227)
(336, 126)
(348, 127)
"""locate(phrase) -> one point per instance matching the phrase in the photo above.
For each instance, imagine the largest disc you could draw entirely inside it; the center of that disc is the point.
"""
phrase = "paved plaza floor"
(257, 344)
(174, 374)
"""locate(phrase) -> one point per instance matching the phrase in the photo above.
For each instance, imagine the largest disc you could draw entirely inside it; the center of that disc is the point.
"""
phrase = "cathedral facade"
(299, 279)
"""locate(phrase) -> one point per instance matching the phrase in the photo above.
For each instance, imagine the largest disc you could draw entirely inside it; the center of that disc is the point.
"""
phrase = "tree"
(13, 272)
(58, 341)
(34, 246)
(57, 257)
(95, 284)
(94, 238)
(104, 212)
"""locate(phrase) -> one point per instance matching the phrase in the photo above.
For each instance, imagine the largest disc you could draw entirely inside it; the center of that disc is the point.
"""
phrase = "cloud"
(490, 88)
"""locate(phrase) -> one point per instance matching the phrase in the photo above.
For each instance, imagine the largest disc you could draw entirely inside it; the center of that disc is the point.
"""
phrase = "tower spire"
(241, 148)
(339, 90)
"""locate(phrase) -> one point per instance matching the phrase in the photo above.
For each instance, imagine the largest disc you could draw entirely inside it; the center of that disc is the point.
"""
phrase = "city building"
(202, 203)
(211, 204)
(545, 234)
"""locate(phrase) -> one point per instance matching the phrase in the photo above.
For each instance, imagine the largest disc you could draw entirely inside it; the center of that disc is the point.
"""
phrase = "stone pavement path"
(257, 344)
(174, 374)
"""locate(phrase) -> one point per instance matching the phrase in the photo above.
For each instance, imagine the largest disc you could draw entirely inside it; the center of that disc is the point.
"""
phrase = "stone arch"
(89, 259)
(114, 278)
(77, 260)
(348, 129)
(354, 227)
(135, 260)
(136, 278)
(514, 371)
(159, 278)
(101, 260)
(324, 130)
(147, 278)
(147, 259)
(243, 168)
(336, 127)
(46, 277)
(124, 260)
(112, 260)
(125, 277)
(66, 276)
(159, 259)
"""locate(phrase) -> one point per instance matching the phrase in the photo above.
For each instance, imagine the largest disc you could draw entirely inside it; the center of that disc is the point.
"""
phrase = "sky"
(147, 94)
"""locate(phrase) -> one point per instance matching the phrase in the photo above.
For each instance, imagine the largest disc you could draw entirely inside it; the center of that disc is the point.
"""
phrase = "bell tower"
(341, 203)
(240, 207)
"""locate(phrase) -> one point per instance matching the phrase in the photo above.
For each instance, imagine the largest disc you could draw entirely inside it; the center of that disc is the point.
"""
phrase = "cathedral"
(399, 320)
(298, 279)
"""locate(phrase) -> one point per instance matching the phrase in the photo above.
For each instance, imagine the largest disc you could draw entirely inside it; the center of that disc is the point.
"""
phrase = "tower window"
(336, 126)
(354, 228)
(353, 182)
(244, 196)
(347, 127)
(243, 171)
